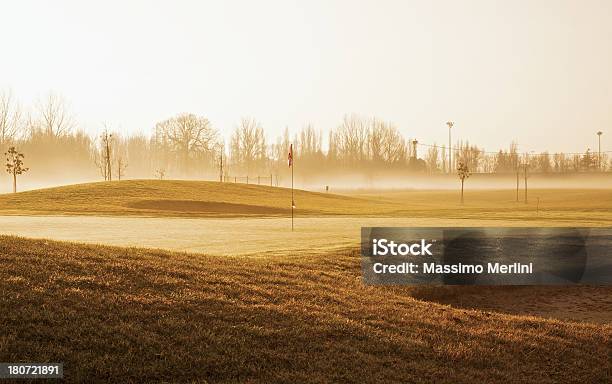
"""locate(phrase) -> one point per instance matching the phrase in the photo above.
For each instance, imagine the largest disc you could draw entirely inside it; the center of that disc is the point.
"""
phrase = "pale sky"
(538, 72)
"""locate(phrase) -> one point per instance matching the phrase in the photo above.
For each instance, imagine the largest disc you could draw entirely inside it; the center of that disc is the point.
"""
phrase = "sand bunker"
(213, 207)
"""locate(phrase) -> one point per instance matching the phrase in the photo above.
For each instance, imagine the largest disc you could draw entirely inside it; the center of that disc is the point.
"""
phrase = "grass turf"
(181, 198)
(170, 198)
(118, 315)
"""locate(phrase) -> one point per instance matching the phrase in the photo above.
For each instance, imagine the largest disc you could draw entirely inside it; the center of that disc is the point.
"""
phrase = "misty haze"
(186, 184)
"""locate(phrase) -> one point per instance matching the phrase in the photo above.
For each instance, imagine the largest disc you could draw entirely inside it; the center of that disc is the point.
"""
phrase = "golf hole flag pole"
(290, 158)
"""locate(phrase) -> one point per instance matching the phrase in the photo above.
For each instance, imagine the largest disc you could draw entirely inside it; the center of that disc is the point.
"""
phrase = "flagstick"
(292, 201)
(291, 165)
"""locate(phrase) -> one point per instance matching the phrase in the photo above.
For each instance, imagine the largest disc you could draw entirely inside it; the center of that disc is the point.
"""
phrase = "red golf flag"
(290, 157)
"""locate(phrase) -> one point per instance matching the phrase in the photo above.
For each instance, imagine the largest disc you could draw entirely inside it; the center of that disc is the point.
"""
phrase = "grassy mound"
(173, 198)
(116, 315)
(180, 198)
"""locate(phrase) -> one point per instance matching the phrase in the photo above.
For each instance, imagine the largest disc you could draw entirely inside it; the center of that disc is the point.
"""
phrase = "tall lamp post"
(599, 133)
(450, 151)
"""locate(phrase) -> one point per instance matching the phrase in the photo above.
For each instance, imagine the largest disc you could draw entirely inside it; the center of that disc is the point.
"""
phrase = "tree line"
(190, 146)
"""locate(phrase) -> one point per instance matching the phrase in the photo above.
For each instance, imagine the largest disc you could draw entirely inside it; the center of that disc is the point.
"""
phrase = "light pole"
(599, 133)
(526, 164)
(450, 151)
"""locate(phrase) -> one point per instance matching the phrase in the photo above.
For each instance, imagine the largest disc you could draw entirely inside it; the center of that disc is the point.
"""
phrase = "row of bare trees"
(188, 145)
(508, 161)
(50, 117)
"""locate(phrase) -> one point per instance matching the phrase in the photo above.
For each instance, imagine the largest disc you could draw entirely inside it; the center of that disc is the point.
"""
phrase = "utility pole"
(450, 151)
(599, 133)
(526, 165)
(518, 170)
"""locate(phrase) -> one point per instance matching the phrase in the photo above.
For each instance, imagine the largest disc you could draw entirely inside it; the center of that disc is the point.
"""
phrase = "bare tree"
(588, 162)
(103, 155)
(332, 151)
(351, 139)
(120, 154)
(309, 142)
(443, 157)
(98, 159)
(469, 154)
(561, 162)
(463, 172)
(385, 142)
(220, 148)
(507, 161)
(121, 167)
(248, 145)
(14, 165)
(55, 119)
(139, 153)
(106, 147)
(106, 155)
(432, 159)
(282, 146)
(187, 135)
(10, 118)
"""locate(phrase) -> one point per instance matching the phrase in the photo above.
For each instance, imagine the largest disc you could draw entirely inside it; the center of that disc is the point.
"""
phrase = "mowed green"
(181, 198)
(126, 314)
(171, 198)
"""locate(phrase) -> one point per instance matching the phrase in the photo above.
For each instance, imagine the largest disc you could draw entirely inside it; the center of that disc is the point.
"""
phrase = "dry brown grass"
(118, 315)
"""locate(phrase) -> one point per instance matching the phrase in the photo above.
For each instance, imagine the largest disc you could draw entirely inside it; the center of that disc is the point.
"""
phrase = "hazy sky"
(538, 72)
